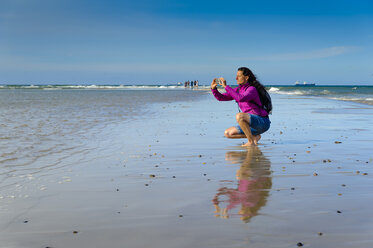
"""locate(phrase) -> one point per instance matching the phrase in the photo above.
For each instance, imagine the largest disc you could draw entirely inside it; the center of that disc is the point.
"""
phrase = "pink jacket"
(245, 95)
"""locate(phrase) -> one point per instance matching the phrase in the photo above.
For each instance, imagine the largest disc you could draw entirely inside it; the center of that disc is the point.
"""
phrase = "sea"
(47, 125)
(352, 93)
(44, 128)
(91, 165)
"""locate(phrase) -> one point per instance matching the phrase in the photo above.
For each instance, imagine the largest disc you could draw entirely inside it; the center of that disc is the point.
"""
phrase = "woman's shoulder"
(249, 87)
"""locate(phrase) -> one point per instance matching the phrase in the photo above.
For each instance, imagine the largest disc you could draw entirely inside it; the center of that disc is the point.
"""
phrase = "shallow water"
(173, 180)
(41, 130)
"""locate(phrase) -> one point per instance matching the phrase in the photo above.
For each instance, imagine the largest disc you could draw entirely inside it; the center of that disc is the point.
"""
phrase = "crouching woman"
(254, 102)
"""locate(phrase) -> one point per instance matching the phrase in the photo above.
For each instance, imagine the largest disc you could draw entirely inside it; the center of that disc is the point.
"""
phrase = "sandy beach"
(169, 178)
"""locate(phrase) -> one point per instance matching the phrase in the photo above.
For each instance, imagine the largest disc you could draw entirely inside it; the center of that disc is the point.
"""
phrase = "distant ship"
(304, 84)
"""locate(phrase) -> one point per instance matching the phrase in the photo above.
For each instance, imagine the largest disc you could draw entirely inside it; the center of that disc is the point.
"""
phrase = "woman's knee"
(229, 132)
(239, 117)
(242, 117)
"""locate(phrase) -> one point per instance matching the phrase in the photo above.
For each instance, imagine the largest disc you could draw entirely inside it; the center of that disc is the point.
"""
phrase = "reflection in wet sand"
(254, 181)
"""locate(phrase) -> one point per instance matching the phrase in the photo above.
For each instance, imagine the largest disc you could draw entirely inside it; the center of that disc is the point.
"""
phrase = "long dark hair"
(263, 94)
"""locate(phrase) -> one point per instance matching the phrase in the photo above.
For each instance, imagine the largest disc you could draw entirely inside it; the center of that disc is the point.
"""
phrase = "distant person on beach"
(254, 102)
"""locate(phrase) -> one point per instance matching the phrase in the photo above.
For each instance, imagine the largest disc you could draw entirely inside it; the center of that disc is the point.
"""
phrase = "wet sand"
(173, 180)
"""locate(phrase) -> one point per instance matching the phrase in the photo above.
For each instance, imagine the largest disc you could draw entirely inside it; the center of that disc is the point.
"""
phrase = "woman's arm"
(248, 95)
(219, 96)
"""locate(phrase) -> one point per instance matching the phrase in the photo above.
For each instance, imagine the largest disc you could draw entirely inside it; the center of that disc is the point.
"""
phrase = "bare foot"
(254, 141)
(257, 138)
(248, 144)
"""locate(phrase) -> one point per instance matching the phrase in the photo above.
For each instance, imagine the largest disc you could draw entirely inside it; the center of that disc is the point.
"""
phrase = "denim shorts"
(258, 124)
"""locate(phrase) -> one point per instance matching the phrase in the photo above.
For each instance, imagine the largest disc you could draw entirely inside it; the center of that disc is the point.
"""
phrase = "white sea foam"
(274, 90)
(52, 89)
(325, 92)
(32, 86)
(363, 100)
(94, 86)
(286, 91)
(346, 98)
(293, 92)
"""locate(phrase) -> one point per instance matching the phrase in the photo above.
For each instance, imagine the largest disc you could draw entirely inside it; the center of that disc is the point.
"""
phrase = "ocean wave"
(94, 86)
(364, 100)
(293, 92)
(333, 95)
(273, 89)
(325, 92)
(31, 86)
(299, 92)
(347, 98)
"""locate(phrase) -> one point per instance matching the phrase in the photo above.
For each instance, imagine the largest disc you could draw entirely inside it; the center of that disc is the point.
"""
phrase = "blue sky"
(162, 42)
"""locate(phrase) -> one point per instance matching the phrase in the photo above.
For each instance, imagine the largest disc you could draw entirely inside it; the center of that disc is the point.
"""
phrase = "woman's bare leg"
(243, 120)
(257, 138)
(233, 133)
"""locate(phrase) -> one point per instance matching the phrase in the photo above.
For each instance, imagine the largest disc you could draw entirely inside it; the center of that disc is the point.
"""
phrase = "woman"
(254, 102)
